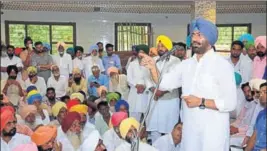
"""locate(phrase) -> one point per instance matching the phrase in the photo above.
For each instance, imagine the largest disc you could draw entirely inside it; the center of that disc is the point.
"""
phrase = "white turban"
(255, 83)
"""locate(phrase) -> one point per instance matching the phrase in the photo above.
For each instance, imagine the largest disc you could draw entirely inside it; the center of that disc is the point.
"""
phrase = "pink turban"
(112, 69)
(260, 40)
(100, 89)
(25, 110)
(26, 147)
(117, 117)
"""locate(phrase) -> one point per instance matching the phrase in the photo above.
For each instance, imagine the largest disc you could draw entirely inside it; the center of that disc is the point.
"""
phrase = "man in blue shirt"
(96, 80)
(111, 60)
(258, 142)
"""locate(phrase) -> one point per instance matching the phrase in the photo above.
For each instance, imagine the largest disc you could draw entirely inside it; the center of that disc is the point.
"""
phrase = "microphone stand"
(136, 142)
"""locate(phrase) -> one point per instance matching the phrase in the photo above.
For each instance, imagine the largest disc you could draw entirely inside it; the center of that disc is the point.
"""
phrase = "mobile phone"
(95, 82)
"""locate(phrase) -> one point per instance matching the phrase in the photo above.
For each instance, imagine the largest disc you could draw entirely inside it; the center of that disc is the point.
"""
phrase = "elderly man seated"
(96, 80)
(128, 131)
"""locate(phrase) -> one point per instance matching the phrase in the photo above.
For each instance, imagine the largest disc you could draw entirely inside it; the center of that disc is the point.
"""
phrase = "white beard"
(95, 59)
(115, 80)
(75, 139)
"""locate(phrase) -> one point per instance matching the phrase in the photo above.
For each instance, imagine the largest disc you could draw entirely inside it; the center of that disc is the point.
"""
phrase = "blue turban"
(188, 41)
(207, 28)
(70, 51)
(31, 87)
(47, 46)
(119, 103)
(238, 79)
(246, 37)
(33, 98)
(93, 47)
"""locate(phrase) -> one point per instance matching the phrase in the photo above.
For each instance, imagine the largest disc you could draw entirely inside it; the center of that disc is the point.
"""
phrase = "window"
(227, 34)
(45, 32)
(129, 34)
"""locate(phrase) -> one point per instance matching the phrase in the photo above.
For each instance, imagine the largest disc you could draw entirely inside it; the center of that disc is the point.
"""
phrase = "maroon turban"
(69, 119)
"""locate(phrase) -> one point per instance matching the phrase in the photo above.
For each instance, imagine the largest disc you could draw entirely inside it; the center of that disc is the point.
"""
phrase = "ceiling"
(130, 6)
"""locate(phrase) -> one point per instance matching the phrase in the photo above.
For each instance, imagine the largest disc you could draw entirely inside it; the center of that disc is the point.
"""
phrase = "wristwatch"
(202, 105)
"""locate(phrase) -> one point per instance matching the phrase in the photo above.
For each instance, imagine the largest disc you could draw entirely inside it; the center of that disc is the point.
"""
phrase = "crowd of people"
(77, 100)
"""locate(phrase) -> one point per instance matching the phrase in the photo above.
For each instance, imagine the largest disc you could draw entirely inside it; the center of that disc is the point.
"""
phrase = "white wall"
(94, 27)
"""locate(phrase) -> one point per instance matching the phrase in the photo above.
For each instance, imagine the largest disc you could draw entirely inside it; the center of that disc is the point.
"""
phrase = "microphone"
(166, 55)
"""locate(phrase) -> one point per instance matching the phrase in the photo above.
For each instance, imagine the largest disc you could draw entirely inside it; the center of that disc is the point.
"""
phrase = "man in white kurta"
(10, 59)
(138, 95)
(171, 141)
(77, 61)
(209, 91)
(58, 82)
(92, 60)
(63, 60)
(241, 64)
(165, 108)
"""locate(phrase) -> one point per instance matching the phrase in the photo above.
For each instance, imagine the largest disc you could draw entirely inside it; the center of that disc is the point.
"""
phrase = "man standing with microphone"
(209, 91)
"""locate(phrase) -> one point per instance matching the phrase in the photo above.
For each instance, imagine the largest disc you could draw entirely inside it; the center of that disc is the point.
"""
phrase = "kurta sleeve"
(106, 81)
(118, 62)
(70, 64)
(84, 86)
(130, 78)
(227, 99)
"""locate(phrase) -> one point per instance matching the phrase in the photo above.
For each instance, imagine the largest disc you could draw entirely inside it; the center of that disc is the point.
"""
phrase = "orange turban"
(100, 89)
(112, 69)
(79, 108)
(25, 110)
(44, 134)
(6, 116)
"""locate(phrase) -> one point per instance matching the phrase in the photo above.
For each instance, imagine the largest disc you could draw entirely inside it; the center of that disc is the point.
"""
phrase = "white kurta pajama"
(64, 63)
(164, 113)
(111, 140)
(211, 78)
(137, 74)
(165, 143)
(125, 146)
(122, 87)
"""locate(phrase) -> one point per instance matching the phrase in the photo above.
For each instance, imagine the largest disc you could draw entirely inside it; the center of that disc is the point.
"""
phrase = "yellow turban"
(100, 89)
(76, 71)
(77, 96)
(126, 125)
(31, 69)
(255, 83)
(57, 107)
(60, 43)
(112, 69)
(32, 92)
(166, 41)
(79, 108)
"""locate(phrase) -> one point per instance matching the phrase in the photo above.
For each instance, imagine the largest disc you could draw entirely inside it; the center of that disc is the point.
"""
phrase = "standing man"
(63, 60)
(209, 91)
(111, 60)
(77, 61)
(180, 50)
(259, 63)
(101, 50)
(165, 107)
(92, 60)
(42, 61)
(138, 95)
(240, 64)
(8, 60)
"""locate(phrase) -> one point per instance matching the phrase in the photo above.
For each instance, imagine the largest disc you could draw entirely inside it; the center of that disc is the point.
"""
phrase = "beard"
(11, 133)
(32, 126)
(95, 59)
(249, 99)
(260, 54)
(77, 80)
(200, 48)
(41, 149)
(75, 139)
(115, 80)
